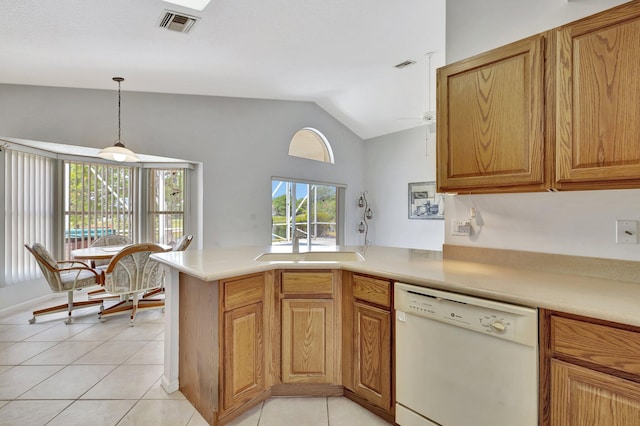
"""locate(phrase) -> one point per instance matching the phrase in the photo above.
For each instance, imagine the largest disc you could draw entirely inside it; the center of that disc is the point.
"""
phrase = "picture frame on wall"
(425, 202)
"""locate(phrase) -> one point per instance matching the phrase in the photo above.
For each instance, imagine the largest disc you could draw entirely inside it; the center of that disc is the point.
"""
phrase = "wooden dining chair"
(181, 245)
(130, 274)
(105, 241)
(64, 276)
(108, 240)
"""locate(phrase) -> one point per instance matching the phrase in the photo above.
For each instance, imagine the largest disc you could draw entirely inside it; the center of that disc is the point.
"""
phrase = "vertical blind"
(99, 200)
(29, 215)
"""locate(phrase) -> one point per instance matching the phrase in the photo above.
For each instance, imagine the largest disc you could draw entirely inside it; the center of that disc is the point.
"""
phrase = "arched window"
(311, 144)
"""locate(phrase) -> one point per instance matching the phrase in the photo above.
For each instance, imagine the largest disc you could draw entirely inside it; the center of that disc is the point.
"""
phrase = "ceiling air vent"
(175, 21)
(405, 64)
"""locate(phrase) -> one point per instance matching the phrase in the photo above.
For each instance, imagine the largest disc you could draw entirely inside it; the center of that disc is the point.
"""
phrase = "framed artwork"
(424, 202)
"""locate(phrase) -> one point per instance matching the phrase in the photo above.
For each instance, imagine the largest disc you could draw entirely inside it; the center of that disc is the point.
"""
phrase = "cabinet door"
(372, 350)
(580, 396)
(308, 339)
(243, 356)
(490, 127)
(597, 101)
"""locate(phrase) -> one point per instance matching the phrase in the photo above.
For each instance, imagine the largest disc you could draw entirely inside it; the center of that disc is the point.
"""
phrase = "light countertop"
(607, 299)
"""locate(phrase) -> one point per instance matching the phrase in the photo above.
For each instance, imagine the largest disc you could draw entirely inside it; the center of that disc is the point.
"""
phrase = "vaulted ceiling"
(339, 54)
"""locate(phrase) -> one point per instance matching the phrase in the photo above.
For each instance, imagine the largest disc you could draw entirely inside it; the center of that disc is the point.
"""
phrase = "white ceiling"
(337, 53)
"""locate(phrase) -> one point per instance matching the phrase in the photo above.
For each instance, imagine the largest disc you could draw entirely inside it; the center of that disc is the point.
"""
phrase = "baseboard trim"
(306, 389)
(224, 417)
(169, 386)
(385, 415)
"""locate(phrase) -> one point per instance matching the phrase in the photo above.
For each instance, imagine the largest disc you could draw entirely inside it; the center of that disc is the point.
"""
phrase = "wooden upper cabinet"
(598, 100)
(556, 111)
(490, 126)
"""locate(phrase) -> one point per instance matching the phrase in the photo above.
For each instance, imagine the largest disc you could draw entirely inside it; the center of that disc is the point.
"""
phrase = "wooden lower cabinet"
(589, 371)
(580, 396)
(372, 362)
(288, 332)
(308, 341)
(246, 308)
(198, 340)
(244, 372)
(367, 342)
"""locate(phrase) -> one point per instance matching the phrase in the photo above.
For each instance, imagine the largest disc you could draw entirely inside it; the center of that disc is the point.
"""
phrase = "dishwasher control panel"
(511, 322)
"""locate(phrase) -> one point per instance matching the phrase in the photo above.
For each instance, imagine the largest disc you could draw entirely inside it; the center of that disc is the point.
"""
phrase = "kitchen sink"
(312, 256)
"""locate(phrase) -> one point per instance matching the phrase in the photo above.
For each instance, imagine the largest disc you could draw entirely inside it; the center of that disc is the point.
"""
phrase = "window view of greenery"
(310, 209)
(167, 208)
(97, 202)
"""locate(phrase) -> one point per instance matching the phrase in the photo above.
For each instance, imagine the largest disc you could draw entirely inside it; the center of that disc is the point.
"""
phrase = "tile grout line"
(71, 364)
(139, 405)
(326, 400)
(260, 415)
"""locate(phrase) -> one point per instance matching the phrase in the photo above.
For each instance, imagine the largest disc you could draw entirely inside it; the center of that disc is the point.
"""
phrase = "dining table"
(103, 252)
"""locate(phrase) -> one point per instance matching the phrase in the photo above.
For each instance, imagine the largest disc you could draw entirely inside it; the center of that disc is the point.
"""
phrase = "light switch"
(627, 231)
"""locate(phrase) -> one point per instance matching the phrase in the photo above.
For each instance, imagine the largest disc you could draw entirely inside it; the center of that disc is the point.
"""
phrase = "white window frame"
(340, 203)
(311, 144)
(193, 212)
(152, 212)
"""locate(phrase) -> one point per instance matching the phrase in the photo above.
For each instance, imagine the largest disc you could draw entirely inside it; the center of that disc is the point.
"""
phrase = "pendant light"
(118, 152)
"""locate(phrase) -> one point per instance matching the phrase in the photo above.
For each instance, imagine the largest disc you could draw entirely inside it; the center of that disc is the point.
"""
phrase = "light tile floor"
(106, 374)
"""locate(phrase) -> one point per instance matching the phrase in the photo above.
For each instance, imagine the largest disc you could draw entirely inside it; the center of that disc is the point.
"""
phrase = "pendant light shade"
(118, 152)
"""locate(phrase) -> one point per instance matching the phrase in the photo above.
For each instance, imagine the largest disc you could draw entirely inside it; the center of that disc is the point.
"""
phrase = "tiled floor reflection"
(106, 374)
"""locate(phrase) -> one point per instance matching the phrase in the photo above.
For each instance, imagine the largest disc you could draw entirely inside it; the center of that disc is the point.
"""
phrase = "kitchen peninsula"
(226, 311)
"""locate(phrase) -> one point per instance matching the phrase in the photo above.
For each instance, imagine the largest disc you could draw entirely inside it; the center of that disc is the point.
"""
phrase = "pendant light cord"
(119, 80)
(119, 126)
(118, 152)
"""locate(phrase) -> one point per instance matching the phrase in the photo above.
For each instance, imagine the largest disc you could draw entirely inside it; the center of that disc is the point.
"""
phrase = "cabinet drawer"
(598, 344)
(372, 290)
(243, 291)
(307, 283)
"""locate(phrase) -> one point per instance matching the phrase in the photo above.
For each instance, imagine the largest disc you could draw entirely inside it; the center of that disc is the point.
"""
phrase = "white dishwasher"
(464, 361)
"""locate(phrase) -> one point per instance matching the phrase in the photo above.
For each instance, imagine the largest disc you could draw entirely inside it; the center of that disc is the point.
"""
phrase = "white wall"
(242, 143)
(391, 163)
(477, 26)
(576, 223)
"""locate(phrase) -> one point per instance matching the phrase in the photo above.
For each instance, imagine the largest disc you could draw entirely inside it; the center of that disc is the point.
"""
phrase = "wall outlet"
(627, 231)
(460, 227)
